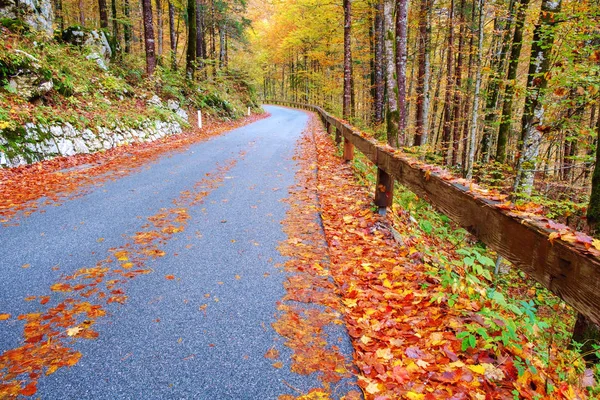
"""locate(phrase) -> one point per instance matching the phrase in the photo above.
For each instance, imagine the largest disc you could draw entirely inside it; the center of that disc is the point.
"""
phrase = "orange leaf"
(29, 390)
(169, 277)
(4, 317)
(278, 364)
(272, 353)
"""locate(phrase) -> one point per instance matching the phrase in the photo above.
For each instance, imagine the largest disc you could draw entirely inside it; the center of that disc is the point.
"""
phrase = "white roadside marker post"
(199, 119)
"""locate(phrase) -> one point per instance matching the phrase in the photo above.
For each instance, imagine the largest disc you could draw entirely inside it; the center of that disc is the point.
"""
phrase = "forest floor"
(189, 288)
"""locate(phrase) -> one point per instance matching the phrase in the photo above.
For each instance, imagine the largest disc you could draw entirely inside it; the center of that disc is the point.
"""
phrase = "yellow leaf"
(422, 364)
(478, 369)
(4, 317)
(278, 364)
(553, 236)
(596, 244)
(415, 396)
(387, 283)
(350, 303)
(386, 354)
(372, 388)
(365, 339)
(74, 331)
(348, 218)
(569, 237)
(127, 265)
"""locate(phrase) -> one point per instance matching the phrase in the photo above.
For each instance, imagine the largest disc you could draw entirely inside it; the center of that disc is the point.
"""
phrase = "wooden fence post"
(384, 190)
(338, 136)
(348, 149)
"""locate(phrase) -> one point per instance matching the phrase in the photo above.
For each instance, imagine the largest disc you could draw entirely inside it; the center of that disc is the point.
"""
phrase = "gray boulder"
(37, 14)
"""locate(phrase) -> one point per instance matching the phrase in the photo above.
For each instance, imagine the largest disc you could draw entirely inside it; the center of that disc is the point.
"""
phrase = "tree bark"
(390, 75)
(422, 117)
(58, 14)
(458, 98)
(378, 64)
(447, 125)
(401, 57)
(221, 46)
(347, 103)
(81, 14)
(149, 36)
(199, 33)
(159, 26)
(102, 8)
(191, 42)
(593, 212)
(511, 76)
(172, 37)
(475, 113)
(493, 91)
(127, 26)
(537, 81)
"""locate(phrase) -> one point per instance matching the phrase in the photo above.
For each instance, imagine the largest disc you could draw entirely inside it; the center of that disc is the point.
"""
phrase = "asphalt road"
(228, 251)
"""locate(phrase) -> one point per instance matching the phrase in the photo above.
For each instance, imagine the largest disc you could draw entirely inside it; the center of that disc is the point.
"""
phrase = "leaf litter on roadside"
(406, 343)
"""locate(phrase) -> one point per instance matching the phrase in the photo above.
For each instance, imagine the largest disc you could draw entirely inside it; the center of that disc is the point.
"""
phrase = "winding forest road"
(187, 314)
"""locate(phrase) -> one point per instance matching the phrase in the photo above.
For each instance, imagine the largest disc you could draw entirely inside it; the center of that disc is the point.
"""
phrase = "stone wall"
(47, 142)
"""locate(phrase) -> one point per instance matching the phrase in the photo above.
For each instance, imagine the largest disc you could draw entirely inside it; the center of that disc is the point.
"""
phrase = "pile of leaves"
(424, 323)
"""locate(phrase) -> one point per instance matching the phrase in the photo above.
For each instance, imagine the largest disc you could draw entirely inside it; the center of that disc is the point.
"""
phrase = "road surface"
(199, 325)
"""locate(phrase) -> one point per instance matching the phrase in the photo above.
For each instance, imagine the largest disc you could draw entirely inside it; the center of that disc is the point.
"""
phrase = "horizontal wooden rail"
(566, 268)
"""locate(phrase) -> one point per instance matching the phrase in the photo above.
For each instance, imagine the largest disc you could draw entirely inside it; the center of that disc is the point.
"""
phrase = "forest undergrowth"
(427, 316)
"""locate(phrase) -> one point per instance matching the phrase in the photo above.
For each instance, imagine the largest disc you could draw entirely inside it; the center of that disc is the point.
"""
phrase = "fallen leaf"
(415, 396)
(278, 364)
(29, 390)
(74, 331)
(169, 277)
(272, 353)
(4, 317)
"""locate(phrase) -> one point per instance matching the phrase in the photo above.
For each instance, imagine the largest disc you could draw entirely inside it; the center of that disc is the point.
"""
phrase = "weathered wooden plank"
(348, 150)
(384, 189)
(569, 273)
(364, 145)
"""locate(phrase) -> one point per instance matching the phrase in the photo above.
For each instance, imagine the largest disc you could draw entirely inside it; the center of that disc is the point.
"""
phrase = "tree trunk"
(127, 26)
(379, 84)
(456, 106)
(447, 125)
(172, 37)
(401, 57)
(390, 75)
(149, 36)
(421, 128)
(190, 59)
(81, 14)
(475, 113)
(221, 46)
(593, 212)
(537, 81)
(493, 91)
(347, 104)
(103, 14)
(159, 26)
(199, 33)
(58, 14)
(511, 76)
(115, 28)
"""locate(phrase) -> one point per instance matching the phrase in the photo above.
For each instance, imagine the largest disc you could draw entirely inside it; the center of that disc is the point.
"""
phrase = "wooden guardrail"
(567, 268)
